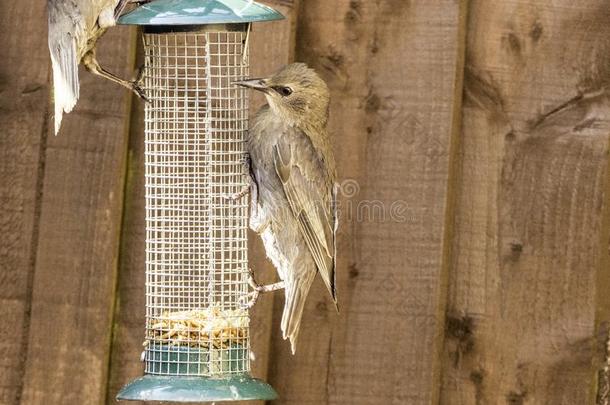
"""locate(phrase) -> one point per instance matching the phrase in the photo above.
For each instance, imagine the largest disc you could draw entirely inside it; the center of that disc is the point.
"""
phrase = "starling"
(74, 28)
(293, 186)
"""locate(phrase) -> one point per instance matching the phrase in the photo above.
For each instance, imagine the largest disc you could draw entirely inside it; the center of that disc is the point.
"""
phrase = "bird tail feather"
(65, 78)
(296, 294)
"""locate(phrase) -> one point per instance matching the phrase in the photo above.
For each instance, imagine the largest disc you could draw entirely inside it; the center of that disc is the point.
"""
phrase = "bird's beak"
(254, 84)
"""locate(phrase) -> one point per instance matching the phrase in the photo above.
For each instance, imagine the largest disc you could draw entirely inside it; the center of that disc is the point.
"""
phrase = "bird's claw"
(236, 196)
(252, 296)
(246, 160)
(247, 301)
(139, 91)
(136, 85)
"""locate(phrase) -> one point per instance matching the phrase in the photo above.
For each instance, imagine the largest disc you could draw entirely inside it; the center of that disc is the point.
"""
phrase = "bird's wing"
(310, 191)
(64, 26)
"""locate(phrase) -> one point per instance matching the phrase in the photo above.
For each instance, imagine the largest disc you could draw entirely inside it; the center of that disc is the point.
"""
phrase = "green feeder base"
(238, 387)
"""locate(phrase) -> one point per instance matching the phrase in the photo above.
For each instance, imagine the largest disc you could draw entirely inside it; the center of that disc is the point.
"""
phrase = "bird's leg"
(257, 224)
(250, 188)
(118, 11)
(92, 65)
(236, 196)
(258, 289)
(120, 7)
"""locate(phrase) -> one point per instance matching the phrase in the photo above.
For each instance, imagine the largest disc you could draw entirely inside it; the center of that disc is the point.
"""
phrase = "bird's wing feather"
(63, 30)
(309, 191)
(295, 297)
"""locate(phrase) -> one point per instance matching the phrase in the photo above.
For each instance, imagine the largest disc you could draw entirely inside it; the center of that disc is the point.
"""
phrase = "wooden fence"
(486, 123)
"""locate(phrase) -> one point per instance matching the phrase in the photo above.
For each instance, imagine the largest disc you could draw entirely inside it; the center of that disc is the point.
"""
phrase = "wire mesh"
(196, 237)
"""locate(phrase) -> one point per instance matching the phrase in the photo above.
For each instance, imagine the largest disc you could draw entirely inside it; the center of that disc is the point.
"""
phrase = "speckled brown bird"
(74, 28)
(294, 189)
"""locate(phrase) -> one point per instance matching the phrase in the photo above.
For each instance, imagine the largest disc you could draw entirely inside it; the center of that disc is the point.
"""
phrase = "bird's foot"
(92, 65)
(246, 161)
(139, 91)
(247, 301)
(236, 196)
(137, 84)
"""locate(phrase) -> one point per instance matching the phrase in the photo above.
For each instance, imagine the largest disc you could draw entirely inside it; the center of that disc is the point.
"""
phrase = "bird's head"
(296, 93)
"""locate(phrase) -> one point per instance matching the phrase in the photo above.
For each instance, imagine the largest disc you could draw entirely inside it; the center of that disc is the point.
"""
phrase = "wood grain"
(518, 228)
(534, 156)
(23, 115)
(129, 314)
(271, 46)
(392, 69)
(76, 260)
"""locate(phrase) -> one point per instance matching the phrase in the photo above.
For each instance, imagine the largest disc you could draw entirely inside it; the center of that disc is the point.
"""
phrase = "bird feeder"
(197, 340)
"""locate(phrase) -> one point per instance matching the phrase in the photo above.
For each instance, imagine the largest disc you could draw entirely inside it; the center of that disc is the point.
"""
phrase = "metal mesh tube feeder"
(197, 340)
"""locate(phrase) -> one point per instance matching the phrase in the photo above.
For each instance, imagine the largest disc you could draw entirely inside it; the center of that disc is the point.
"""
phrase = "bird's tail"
(296, 294)
(65, 79)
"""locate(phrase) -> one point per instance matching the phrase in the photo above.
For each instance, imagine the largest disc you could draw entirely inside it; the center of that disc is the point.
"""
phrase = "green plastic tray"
(239, 387)
(199, 12)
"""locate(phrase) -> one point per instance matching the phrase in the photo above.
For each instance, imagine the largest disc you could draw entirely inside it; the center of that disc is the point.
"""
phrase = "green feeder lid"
(199, 12)
(239, 387)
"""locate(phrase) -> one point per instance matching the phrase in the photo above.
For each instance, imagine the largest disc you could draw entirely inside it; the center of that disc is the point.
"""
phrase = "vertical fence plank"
(23, 112)
(82, 199)
(271, 46)
(536, 122)
(601, 382)
(129, 321)
(393, 71)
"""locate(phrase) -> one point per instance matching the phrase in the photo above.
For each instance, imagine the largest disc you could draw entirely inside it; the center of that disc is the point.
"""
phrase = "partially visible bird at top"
(74, 28)
(293, 189)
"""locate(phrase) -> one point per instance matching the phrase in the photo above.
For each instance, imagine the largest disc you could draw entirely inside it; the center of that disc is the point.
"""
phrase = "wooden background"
(487, 122)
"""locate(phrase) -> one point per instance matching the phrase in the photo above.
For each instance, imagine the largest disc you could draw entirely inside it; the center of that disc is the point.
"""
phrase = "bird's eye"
(284, 91)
